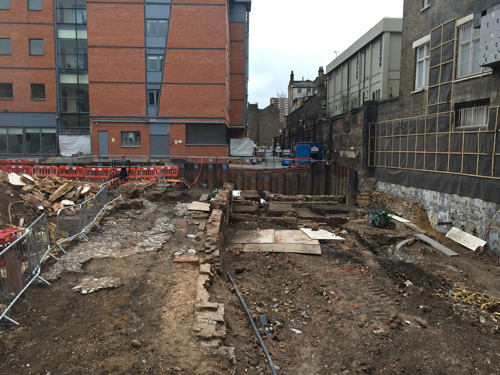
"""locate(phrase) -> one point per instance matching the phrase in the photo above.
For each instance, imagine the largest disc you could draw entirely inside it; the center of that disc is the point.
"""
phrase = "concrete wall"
(473, 216)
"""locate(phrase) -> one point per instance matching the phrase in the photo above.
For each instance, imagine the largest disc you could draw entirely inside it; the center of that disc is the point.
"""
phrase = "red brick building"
(154, 79)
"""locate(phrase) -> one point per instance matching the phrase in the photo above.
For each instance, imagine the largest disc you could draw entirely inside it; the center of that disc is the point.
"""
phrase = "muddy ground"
(358, 308)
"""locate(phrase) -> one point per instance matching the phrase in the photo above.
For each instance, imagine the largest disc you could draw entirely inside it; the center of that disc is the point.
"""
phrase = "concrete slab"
(321, 234)
(283, 248)
(254, 236)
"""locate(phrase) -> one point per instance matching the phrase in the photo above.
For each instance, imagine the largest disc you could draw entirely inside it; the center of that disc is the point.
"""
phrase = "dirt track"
(356, 309)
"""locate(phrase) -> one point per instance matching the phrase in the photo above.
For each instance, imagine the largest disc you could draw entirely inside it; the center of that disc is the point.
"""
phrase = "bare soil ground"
(359, 308)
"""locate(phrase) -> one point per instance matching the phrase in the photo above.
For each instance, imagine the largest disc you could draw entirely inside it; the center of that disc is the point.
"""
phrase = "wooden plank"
(400, 219)
(465, 239)
(282, 248)
(293, 237)
(320, 234)
(199, 206)
(254, 236)
(436, 245)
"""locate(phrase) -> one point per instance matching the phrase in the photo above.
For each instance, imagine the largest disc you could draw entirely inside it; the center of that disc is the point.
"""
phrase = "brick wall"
(115, 99)
(114, 132)
(115, 25)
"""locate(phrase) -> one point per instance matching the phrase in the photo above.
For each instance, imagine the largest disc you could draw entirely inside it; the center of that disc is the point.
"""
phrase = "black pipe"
(264, 349)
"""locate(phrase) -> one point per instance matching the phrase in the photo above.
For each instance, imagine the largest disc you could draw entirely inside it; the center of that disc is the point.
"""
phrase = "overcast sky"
(302, 35)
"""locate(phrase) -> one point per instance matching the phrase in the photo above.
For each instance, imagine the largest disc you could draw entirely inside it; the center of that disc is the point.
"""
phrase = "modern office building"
(368, 70)
(151, 78)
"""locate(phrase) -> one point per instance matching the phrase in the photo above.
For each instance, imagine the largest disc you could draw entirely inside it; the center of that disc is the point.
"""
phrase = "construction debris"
(49, 194)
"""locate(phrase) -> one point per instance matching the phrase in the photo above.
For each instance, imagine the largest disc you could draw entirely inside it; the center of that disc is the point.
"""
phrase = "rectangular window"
(422, 69)
(36, 47)
(299, 91)
(131, 139)
(34, 4)
(380, 53)
(5, 46)
(357, 67)
(156, 27)
(426, 4)
(155, 63)
(472, 114)
(468, 51)
(5, 4)
(376, 95)
(37, 91)
(153, 97)
(6, 91)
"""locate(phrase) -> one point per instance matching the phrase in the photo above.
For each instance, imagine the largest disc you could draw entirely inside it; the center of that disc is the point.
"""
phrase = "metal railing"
(76, 220)
(20, 264)
(21, 261)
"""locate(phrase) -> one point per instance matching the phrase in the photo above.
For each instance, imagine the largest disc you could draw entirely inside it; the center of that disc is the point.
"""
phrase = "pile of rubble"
(50, 194)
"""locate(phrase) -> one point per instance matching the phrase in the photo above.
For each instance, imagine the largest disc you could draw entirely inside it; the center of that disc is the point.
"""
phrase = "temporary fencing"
(144, 173)
(167, 172)
(76, 220)
(97, 172)
(19, 169)
(21, 260)
(21, 264)
(44, 170)
(71, 172)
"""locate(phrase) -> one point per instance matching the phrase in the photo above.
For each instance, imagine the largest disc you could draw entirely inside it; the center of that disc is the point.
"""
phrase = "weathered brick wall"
(263, 124)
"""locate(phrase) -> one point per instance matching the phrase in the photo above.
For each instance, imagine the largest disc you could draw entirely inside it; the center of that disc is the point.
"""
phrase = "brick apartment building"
(158, 78)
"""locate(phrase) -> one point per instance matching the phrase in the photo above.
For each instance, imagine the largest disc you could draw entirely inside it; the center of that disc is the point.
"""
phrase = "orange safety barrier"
(97, 172)
(71, 172)
(19, 169)
(145, 172)
(132, 172)
(44, 170)
(167, 171)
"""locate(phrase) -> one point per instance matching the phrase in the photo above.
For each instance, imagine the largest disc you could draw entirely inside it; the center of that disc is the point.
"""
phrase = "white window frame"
(423, 62)
(473, 116)
(426, 4)
(468, 40)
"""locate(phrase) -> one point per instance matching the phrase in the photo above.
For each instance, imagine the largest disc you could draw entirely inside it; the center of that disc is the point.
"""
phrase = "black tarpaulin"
(467, 186)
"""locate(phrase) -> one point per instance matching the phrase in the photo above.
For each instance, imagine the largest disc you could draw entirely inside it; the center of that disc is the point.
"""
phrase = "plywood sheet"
(199, 206)
(320, 234)
(254, 236)
(293, 237)
(283, 248)
(465, 239)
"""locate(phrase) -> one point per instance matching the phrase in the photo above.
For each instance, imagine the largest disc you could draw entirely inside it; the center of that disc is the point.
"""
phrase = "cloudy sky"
(300, 35)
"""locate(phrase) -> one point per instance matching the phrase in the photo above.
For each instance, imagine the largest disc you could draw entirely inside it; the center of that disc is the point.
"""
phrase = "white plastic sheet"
(74, 144)
(242, 147)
